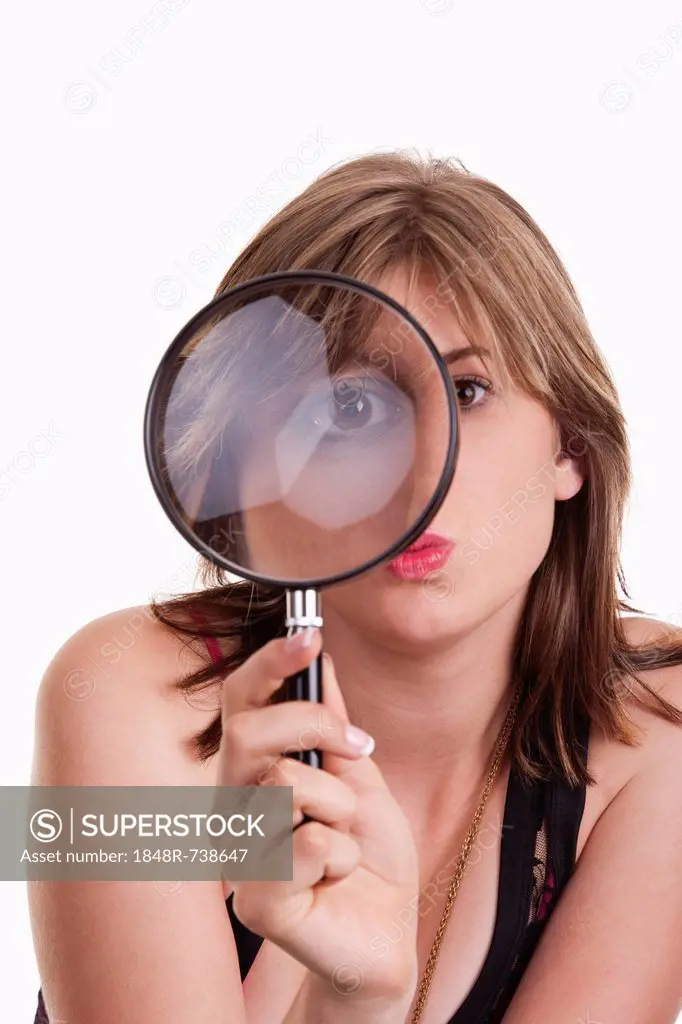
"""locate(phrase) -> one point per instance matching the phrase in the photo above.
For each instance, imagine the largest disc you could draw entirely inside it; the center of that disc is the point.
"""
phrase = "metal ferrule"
(304, 608)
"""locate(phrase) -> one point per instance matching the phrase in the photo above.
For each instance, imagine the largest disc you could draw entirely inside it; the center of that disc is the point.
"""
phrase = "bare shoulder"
(108, 709)
(667, 682)
(656, 759)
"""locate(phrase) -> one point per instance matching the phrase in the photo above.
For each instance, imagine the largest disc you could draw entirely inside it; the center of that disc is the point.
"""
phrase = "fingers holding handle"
(258, 727)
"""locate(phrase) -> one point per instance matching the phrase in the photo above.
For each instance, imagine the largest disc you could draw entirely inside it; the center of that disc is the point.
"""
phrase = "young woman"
(497, 831)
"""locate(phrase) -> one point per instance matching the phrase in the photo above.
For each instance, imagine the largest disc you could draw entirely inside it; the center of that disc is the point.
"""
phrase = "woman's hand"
(355, 864)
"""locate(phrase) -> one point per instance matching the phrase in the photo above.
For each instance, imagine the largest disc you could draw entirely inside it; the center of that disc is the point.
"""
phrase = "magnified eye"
(355, 404)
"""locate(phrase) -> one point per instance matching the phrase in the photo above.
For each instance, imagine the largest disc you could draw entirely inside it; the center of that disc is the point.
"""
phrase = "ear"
(569, 474)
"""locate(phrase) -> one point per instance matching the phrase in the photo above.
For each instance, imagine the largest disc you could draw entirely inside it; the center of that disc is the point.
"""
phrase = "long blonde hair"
(498, 272)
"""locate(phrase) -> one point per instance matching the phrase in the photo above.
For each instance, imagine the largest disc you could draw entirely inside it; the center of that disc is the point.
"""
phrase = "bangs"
(480, 305)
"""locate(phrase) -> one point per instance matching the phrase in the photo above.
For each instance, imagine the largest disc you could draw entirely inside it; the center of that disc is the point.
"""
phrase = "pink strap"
(211, 642)
(213, 648)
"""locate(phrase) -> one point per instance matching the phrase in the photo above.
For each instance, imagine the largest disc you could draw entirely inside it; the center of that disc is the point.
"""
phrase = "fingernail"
(298, 641)
(309, 635)
(359, 740)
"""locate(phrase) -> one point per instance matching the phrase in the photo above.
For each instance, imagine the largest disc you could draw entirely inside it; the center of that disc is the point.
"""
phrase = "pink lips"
(429, 552)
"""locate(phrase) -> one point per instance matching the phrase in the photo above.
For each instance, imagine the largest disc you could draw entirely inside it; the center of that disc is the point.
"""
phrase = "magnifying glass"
(301, 429)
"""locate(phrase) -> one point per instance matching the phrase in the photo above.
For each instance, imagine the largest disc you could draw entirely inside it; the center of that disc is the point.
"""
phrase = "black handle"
(306, 685)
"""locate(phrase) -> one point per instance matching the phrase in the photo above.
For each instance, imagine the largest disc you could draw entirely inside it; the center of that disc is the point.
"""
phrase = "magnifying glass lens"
(300, 427)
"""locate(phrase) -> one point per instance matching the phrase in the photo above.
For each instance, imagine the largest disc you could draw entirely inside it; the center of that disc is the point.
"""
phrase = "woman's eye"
(353, 405)
(357, 407)
(467, 388)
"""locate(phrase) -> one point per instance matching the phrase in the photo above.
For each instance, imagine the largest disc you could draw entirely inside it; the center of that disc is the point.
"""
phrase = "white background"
(117, 172)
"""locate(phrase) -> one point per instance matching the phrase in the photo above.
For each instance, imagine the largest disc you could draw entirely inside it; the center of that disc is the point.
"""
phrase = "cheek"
(512, 533)
(501, 504)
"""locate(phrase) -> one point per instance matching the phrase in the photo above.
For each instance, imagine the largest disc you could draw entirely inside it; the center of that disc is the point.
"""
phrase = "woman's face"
(499, 510)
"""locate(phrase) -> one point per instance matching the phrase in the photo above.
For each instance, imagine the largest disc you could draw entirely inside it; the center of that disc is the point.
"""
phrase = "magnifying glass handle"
(304, 609)
(306, 685)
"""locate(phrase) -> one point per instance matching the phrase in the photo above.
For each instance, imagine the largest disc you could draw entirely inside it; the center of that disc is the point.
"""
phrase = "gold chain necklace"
(498, 754)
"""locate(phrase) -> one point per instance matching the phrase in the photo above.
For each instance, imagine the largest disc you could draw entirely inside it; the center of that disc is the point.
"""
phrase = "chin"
(414, 612)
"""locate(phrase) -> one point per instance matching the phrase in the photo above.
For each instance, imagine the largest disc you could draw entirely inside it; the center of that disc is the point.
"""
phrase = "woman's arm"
(123, 952)
(612, 952)
(318, 1002)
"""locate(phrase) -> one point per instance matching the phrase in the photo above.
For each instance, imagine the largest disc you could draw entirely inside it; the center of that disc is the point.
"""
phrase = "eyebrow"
(461, 353)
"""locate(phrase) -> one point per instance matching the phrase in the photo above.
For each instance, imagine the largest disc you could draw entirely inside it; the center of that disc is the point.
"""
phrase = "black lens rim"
(153, 422)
